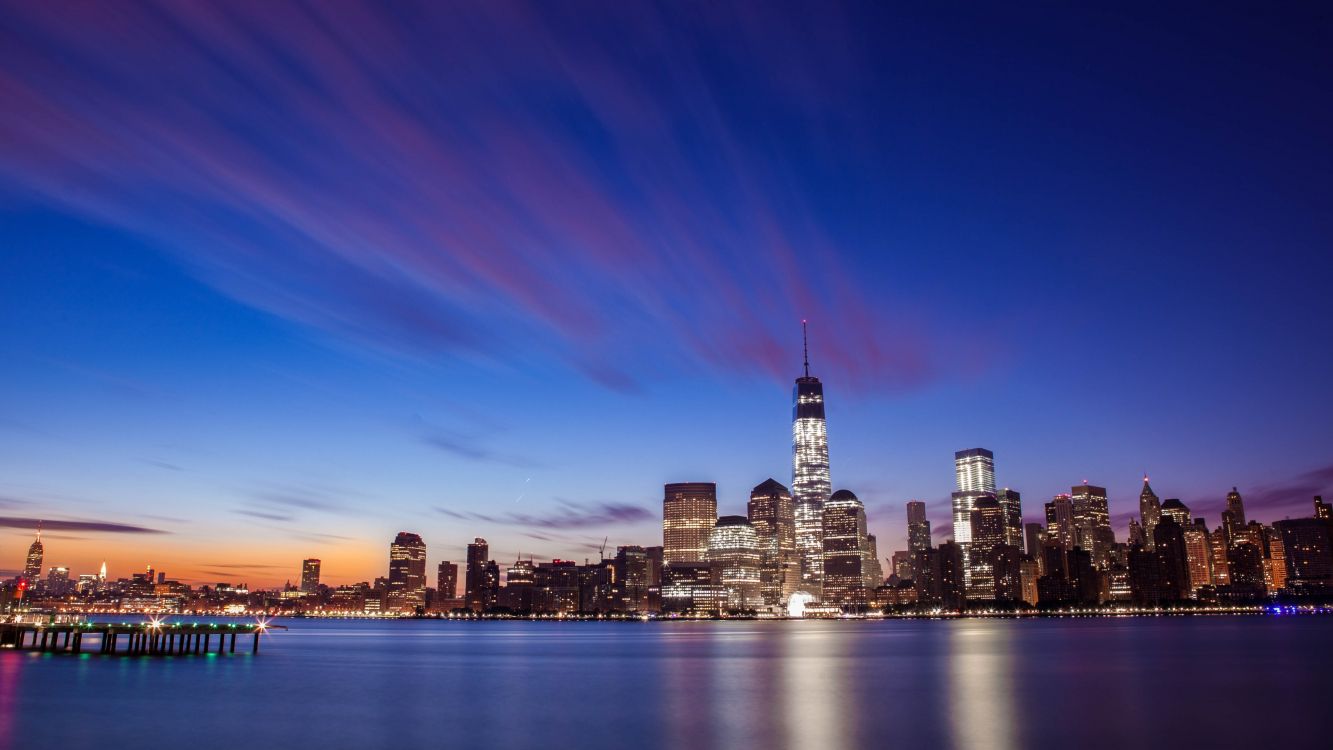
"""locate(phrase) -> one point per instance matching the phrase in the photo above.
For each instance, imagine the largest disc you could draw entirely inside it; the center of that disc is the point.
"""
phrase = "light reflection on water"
(1164, 682)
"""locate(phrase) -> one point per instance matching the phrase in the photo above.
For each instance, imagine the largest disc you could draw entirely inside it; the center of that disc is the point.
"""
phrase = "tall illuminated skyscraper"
(975, 470)
(689, 512)
(773, 517)
(407, 572)
(918, 528)
(1150, 509)
(32, 568)
(810, 473)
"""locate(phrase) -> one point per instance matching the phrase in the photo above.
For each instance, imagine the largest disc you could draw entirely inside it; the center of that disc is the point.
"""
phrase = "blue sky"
(504, 271)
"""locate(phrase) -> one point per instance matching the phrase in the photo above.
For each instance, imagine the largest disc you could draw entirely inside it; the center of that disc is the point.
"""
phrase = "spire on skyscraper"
(805, 347)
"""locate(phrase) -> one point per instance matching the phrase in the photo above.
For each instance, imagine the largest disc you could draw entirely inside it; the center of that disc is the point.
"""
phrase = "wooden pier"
(130, 639)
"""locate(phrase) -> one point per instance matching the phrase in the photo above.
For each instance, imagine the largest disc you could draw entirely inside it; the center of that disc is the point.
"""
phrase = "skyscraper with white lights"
(810, 475)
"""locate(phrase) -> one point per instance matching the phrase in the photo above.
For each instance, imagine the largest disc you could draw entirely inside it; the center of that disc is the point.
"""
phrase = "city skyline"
(489, 273)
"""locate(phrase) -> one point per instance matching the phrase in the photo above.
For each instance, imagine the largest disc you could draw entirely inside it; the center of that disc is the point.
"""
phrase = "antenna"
(805, 346)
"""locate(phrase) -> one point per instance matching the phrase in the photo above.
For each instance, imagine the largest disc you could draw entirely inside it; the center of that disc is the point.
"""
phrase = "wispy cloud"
(1293, 496)
(108, 527)
(521, 198)
(571, 515)
(471, 448)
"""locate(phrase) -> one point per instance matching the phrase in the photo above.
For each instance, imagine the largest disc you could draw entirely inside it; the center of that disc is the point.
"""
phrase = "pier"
(131, 639)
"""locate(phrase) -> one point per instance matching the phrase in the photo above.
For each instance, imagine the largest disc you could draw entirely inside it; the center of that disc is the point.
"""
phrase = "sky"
(283, 279)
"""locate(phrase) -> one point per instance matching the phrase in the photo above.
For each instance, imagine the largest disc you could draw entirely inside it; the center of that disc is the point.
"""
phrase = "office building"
(734, 547)
(1150, 510)
(1012, 503)
(772, 514)
(918, 528)
(844, 536)
(406, 588)
(310, 576)
(481, 579)
(689, 511)
(446, 580)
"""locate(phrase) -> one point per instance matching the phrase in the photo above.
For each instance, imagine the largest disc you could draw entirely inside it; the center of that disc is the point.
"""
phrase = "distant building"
(32, 568)
(689, 511)
(1308, 550)
(1060, 526)
(310, 575)
(1092, 522)
(407, 573)
(918, 527)
(988, 530)
(734, 547)
(1198, 553)
(1150, 509)
(772, 514)
(1177, 511)
(844, 539)
(1012, 503)
(692, 588)
(481, 578)
(446, 580)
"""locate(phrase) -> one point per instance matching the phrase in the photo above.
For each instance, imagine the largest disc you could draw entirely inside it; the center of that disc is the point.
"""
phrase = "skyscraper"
(773, 517)
(988, 520)
(32, 569)
(735, 548)
(1236, 507)
(689, 511)
(446, 581)
(1199, 554)
(1012, 502)
(810, 482)
(844, 540)
(975, 470)
(975, 473)
(479, 594)
(1060, 527)
(1150, 509)
(918, 528)
(407, 572)
(1178, 511)
(1092, 521)
(310, 575)
(1307, 545)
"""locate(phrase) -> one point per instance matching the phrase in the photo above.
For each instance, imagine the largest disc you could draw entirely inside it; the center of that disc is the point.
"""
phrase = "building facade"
(689, 511)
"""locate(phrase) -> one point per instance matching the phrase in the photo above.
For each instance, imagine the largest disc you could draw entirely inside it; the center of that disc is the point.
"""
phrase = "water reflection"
(981, 691)
(815, 711)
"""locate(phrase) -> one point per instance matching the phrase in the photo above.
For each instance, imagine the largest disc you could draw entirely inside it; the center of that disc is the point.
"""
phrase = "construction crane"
(602, 551)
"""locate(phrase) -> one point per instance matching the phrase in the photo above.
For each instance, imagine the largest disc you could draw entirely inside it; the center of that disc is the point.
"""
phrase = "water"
(1097, 683)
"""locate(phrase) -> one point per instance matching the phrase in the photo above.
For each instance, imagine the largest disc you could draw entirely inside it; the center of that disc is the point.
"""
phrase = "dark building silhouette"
(1246, 561)
(1308, 545)
(918, 527)
(482, 577)
(446, 581)
(1007, 570)
(1169, 544)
